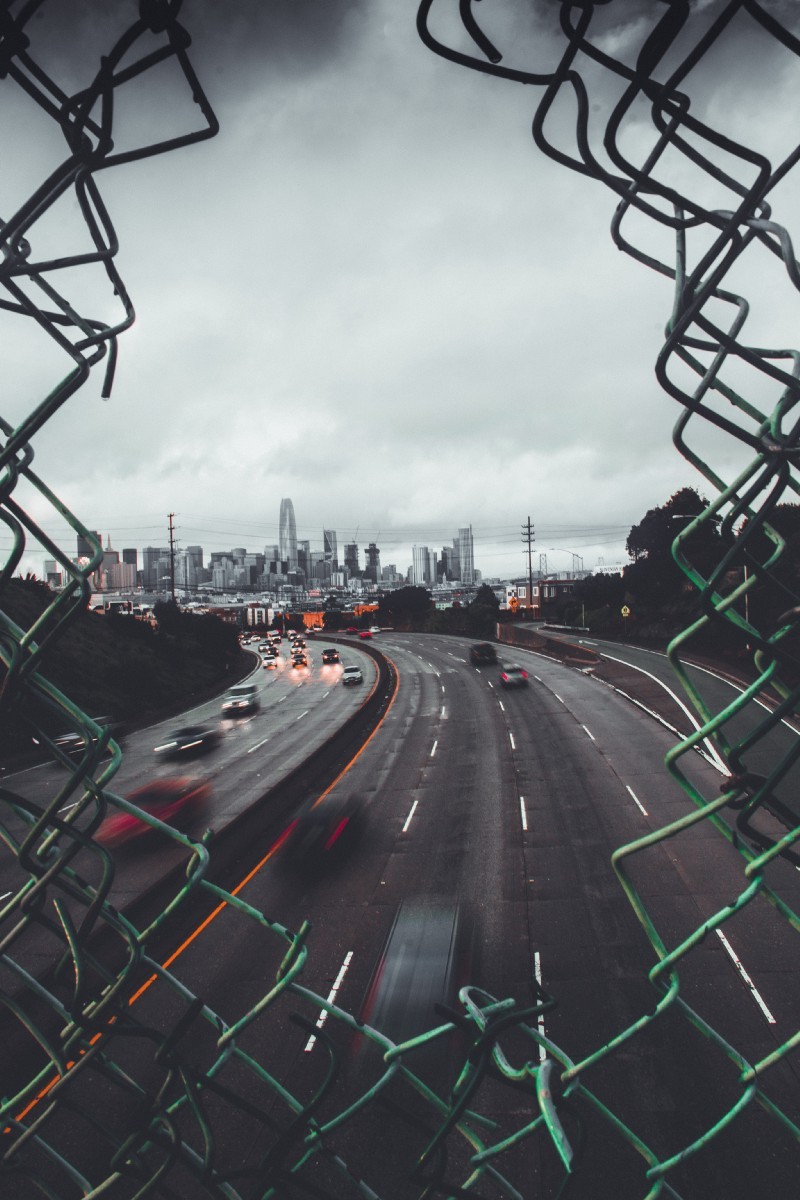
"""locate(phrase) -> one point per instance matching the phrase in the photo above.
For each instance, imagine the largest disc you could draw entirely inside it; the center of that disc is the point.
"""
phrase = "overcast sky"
(371, 292)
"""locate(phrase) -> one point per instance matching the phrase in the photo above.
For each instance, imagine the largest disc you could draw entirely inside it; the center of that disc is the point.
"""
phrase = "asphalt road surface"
(498, 812)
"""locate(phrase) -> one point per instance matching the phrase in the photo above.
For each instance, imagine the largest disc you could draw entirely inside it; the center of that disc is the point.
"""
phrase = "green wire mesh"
(121, 1048)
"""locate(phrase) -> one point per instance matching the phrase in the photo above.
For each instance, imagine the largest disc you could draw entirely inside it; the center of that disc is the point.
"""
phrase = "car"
(352, 675)
(482, 653)
(299, 660)
(176, 801)
(365, 635)
(299, 643)
(351, 629)
(374, 628)
(270, 652)
(426, 958)
(240, 700)
(262, 646)
(188, 741)
(514, 677)
(322, 832)
(73, 741)
(330, 655)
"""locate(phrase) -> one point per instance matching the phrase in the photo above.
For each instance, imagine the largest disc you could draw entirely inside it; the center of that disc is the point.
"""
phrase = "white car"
(240, 699)
(352, 675)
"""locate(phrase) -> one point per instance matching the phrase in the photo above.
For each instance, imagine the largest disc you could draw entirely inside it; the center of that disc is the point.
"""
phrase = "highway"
(504, 807)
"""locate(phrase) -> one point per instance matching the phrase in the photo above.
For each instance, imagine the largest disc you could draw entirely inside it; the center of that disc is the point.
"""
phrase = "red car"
(174, 801)
(366, 635)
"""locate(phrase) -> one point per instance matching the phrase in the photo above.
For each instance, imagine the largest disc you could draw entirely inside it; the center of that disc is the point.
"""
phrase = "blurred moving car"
(514, 677)
(189, 741)
(482, 652)
(323, 832)
(239, 700)
(330, 655)
(374, 628)
(174, 801)
(424, 961)
(365, 635)
(299, 659)
(73, 741)
(352, 675)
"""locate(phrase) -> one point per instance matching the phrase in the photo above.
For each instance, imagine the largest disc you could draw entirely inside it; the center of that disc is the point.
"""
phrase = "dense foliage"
(662, 599)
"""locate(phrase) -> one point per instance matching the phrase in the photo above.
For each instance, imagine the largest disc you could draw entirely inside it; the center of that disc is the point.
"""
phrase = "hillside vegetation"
(118, 666)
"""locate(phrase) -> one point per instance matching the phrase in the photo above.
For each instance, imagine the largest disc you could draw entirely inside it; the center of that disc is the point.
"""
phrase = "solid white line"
(537, 970)
(523, 814)
(729, 948)
(433, 747)
(513, 743)
(410, 815)
(636, 798)
(558, 698)
(538, 678)
(591, 735)
(323, 1016)
(258, 745)
(711, 749)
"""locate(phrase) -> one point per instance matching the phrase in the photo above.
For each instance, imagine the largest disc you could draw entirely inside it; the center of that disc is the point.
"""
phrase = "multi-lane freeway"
(502, 809)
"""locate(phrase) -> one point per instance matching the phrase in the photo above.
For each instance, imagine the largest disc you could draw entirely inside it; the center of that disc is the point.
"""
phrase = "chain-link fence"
(128, 1096)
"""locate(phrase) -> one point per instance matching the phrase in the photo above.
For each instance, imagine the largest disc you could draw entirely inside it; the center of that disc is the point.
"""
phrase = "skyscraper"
(287, 535)
(351, 560)
(466, 555)
(373, 568)
(329, 548)
(420, 565)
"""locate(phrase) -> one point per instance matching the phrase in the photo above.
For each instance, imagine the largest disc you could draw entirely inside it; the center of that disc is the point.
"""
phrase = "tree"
(406, 608)
(654, 574)
(482, 612)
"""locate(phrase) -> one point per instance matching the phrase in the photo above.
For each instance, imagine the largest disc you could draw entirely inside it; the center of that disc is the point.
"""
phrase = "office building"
(287, 535)
(466, 555)
(329, 549)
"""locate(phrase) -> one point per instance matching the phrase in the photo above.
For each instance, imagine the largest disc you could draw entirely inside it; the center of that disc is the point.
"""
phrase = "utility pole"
(172, 555)
(527, 536)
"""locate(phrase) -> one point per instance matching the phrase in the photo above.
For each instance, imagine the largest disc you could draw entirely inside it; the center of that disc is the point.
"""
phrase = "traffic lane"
(708, 867)
(661, 800)
(681, 883)
(776, 739)
(297, 715)
(617, 992)
(351, 909)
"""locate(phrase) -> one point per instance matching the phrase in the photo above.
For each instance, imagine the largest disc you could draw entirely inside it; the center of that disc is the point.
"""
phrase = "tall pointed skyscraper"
(287, 535)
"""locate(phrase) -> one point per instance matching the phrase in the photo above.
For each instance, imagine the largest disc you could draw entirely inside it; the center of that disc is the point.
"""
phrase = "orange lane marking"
(215, 912)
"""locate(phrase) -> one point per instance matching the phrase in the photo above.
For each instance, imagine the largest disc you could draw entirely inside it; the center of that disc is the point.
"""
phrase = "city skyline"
(296, 561)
